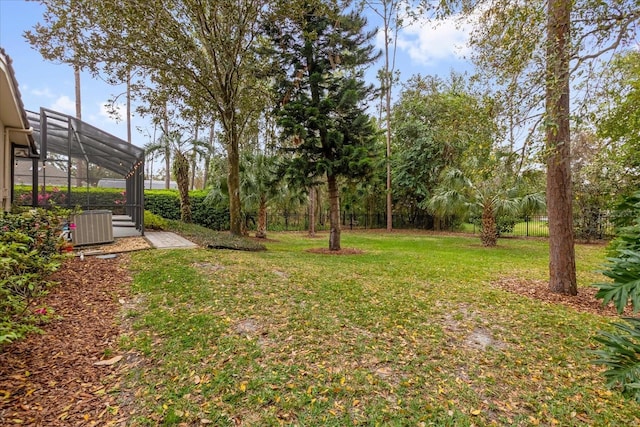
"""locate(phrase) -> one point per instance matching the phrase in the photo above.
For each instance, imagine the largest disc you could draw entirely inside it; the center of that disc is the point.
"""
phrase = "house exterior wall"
(5, 176)
(14, 127)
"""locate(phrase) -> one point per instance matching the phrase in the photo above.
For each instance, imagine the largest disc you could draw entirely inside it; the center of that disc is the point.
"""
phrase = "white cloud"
(427, 42)
(64, 104)
(114, 113)
(46, 93)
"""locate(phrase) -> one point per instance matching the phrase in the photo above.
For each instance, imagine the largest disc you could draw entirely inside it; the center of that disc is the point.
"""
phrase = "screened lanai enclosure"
(74, 157)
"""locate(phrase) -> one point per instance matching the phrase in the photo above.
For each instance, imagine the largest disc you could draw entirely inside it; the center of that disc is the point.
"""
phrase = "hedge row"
(165, 203)
(80, 196)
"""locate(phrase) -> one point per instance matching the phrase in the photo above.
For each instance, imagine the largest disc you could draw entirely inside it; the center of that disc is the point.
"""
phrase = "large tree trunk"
(76, 78)
(233, 182)
(207, 160)
(488, 234)
(562, 265)
(388, 79)
(261, 232)
(167, 152)
(167, 168)
(334, 213)
(194, 156)
(181, 172)
(312, 212)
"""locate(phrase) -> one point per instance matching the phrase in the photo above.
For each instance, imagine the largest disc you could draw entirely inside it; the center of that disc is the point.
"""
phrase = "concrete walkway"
(124, 227)
(168, 240)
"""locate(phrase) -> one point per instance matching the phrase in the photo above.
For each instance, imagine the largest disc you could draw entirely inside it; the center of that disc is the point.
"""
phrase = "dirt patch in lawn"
(585, 301)
(51, 379)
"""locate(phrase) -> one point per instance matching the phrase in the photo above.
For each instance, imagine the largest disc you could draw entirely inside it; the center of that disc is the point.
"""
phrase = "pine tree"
(320, 54)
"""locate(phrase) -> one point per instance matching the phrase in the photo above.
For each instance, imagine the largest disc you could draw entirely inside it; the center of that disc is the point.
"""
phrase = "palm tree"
(258, 179)
(173, 142)
(459, 195)
(161, 148)
(181, 173)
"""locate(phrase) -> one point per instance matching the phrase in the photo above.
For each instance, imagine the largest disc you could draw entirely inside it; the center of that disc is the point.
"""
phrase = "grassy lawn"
(411, 332)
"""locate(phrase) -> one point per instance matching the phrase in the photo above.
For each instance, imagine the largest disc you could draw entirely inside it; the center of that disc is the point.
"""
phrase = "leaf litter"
(51, 378)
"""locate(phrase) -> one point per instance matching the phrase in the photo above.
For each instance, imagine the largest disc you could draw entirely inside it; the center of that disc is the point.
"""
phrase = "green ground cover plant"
(408, 331)
(154, 222)
(30, 245)
(208, 238)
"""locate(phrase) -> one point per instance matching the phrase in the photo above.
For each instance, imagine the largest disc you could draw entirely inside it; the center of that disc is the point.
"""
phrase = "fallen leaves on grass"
(344, 251)
(50, 379)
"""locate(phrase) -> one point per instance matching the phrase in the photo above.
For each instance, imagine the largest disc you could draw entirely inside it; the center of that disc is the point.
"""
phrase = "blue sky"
(422, 48)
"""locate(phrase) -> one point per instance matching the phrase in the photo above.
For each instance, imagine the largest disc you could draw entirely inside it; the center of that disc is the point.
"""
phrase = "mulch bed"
(50, 379)
(585, 301)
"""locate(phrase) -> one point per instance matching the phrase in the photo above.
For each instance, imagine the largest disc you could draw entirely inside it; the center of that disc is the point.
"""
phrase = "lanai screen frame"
(68, 136)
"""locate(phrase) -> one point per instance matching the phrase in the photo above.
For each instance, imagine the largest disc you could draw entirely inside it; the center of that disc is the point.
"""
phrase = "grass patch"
(409, 332)
(208, 238)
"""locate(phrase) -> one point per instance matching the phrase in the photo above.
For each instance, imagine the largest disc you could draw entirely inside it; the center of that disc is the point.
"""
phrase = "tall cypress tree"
(321, 55)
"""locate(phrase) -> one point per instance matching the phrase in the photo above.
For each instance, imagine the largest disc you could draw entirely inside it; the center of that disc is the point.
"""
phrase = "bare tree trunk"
(76, 76)
(194, 155)
(387, 90)
(129, 107)
(334, 213)
(312, 212)
(261, 232)
(81, 165)
(207, 160)
(562, 265)
(167, 153)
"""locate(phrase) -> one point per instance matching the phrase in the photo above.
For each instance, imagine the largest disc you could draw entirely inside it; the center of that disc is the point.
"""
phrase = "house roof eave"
(12, 111)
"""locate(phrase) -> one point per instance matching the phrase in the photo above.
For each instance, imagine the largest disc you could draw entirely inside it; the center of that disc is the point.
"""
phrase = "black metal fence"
(298, 222)
(592, 227)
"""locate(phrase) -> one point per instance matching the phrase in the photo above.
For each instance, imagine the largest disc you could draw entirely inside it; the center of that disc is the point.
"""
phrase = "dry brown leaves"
(123, 244)
(585, 301)
(50, 379)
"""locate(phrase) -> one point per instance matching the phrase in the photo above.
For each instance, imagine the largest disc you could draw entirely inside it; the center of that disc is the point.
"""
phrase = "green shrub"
(96, 197)
(505, 224)
(166, 203)
(154, 222)
(29, 251)
(623, 267)
(621, 357)
(621, 352)
(208, 238)
(206, 214)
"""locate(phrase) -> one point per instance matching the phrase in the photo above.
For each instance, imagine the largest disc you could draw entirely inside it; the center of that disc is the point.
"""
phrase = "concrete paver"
(168, 240)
